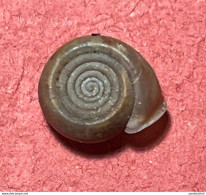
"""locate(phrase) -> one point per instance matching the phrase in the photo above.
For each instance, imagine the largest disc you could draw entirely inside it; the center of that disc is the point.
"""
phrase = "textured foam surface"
(169, 156)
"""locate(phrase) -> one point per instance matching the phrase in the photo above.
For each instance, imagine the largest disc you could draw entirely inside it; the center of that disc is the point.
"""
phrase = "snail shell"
(95, 87)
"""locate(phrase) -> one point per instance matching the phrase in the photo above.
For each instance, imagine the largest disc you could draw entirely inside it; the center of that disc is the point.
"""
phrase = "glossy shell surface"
(95, 87)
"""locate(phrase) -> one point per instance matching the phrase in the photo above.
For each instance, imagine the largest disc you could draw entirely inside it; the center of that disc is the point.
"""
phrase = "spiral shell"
(95, 87)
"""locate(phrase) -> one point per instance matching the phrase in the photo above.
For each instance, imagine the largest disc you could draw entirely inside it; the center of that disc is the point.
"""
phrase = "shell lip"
(137, 127)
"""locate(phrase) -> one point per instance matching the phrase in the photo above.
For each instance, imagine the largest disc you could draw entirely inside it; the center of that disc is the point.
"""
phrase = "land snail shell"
(95, 87)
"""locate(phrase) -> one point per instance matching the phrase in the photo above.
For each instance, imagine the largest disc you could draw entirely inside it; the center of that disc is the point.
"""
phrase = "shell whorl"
(90, 86)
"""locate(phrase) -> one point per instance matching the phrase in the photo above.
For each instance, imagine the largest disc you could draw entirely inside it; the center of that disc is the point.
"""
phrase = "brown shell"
(95, 87)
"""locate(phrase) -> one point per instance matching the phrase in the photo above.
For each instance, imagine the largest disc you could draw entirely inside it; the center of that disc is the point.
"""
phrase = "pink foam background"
(169, 156)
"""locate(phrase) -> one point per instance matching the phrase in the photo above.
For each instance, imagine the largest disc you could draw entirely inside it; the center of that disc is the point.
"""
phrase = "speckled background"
(169, 156)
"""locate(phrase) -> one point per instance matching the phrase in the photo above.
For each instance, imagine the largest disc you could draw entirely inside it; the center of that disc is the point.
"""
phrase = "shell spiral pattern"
(90, 89)
(95, 87)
